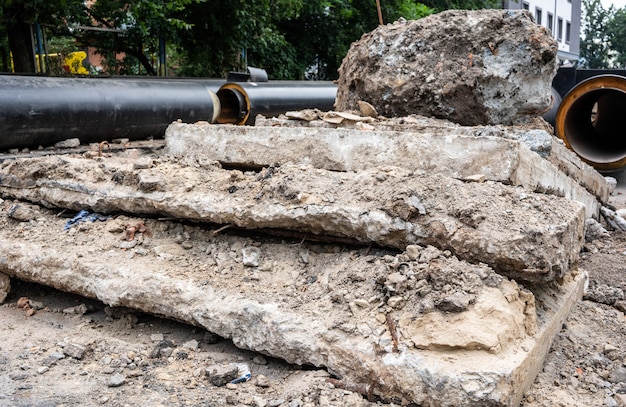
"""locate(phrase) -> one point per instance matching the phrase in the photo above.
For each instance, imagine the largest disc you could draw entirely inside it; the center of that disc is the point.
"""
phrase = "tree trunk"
(20, 36)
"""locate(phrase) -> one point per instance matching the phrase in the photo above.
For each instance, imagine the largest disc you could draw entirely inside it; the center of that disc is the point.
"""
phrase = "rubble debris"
(278, 310)
(534, 237)
(615, 221)
(498, 69)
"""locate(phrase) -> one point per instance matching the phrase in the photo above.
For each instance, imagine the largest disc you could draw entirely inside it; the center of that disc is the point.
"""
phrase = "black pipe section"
(40, 111)
(241, 102)
(590, 121)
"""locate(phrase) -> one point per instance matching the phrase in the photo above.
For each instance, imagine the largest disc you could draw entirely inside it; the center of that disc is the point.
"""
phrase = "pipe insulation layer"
(40, 111)
(241, 102)
(590, 120)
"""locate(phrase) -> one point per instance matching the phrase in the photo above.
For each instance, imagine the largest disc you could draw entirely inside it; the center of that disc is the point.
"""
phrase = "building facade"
(561, 17)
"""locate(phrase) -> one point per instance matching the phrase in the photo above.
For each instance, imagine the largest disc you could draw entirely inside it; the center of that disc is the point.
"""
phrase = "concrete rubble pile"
(423, 261)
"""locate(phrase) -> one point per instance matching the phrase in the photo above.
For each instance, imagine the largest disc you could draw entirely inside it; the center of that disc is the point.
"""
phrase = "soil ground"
(72, 350)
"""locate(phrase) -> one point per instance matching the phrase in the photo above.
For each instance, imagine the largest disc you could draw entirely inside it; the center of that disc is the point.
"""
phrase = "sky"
(616, 3)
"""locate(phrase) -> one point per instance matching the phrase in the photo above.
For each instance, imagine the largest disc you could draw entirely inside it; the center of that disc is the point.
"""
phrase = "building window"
(538, 15)
(568, 29)
(526, 5)
(550, 22)
(559, 29)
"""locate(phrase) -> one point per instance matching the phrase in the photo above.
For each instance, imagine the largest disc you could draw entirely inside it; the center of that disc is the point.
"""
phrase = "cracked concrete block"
(456, 151)
(488, 353)
(498, 69)
(534, 237)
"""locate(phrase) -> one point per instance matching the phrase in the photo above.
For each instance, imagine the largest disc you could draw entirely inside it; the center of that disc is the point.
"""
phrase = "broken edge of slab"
(443, 378)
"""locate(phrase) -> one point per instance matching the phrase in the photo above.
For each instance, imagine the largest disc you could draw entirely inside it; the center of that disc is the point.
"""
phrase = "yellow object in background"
(77, 63)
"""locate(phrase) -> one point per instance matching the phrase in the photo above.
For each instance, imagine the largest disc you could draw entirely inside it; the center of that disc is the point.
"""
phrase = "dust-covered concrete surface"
(356, 313)
(120, 359)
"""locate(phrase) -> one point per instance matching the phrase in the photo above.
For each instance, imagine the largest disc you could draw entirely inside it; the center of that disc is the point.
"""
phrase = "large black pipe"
(241, 102)
(36, 110)
(591, 120)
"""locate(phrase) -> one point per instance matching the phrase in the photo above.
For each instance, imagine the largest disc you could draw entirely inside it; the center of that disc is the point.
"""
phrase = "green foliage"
(594, 44)
(290, 39)
(616, 28)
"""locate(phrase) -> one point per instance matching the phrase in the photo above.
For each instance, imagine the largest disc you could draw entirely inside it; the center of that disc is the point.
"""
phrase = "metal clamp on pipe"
(590, 120)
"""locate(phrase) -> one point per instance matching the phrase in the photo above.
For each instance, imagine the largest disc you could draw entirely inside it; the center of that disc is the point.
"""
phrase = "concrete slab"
(487, 353)
(455, 151)
(524, 235)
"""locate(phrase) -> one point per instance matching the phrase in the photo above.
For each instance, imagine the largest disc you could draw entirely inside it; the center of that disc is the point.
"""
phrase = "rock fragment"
(497, 70)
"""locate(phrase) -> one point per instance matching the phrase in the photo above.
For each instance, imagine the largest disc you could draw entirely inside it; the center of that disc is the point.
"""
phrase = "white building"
(561, 17)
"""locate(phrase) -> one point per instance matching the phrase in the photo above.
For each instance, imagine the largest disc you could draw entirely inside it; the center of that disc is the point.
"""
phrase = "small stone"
(53, 358)
(77, 310)
(166, 352)
(259, 360)
(366, 109)
(157, 351)
(429, 254)
(275, 402)
(116, 380)
(480, 178)
(156, 337)
(220, 375)
(143, 163)
(69, 143)
(618, 375)
(262, 381)
(231, 386)
(259, 402)
(192, 345)
(610, 350)
(361, 303)
(456, 302)
(23, 302)
(42, 369)
(396, 301)
(620, 399)
(251, 256)
(74, 351)
(149, 182)
(413, 251)
(23, 213)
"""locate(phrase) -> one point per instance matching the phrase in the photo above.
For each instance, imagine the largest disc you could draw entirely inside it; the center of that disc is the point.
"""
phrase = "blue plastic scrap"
(242, 379)
(85, 216)
(244, 373)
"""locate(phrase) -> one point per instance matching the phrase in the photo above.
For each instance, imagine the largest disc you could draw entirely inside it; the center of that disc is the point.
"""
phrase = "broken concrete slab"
(525, 235)
(5, 287)
(498, 69)
(315, 304)
(458, 152)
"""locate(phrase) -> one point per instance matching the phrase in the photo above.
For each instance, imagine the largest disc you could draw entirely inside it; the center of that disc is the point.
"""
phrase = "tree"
(18, 17)
(291, 39)
(616, 28)
(594, 44)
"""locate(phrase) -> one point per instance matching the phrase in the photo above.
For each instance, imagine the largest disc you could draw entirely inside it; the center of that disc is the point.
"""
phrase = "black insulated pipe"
(590, 121)
(38, 110)
(241, 102)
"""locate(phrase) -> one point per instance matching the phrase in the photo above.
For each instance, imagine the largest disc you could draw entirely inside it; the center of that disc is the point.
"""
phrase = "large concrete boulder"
(471, 67)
